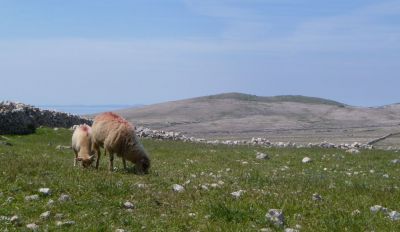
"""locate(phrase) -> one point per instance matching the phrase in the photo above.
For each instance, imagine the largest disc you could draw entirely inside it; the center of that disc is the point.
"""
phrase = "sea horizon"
(85, 109)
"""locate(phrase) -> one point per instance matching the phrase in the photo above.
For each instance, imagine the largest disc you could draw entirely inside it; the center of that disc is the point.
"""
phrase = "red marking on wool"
(85, 128)
(110, 116)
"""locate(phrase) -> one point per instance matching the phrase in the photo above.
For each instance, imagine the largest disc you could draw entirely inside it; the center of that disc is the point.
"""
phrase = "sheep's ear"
(91, 157)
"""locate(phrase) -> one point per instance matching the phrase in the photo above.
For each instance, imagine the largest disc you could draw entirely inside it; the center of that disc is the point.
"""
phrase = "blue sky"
(150, 51)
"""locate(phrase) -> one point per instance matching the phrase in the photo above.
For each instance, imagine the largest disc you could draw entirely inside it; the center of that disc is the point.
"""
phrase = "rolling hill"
(280, 118)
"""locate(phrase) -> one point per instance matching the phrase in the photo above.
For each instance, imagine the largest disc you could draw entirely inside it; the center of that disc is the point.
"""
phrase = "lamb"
(82, 145)
(118, 136)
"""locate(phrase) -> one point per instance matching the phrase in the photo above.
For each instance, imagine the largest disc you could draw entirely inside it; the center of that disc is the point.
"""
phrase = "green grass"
(282, 182)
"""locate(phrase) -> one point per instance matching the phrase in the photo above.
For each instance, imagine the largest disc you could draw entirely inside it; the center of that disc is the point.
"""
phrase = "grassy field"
(345, 182)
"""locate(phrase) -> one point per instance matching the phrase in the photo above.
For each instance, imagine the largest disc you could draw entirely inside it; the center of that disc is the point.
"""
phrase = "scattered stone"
(32, 198)
(120, 230)
(214, 185)
(141, 186)
(386, 176)
(50, 202)
(9, 200)
(316, 197)
(377, 208)
(306, 160)
(298, 227)
(261, 156)
(356, 212)
(45, 191)
(284, 168)
(237, 194)
(276, 217)
(45, 215)
(178, 188)
(353, 151)
(129, 205)
(291, 230)
(15, 220)
(32, 226)
(395, 161)
(394, 216)
(204, 187)
(4, 218)
(265, 230)
(192, 215)
(67, 223)
(64, 198)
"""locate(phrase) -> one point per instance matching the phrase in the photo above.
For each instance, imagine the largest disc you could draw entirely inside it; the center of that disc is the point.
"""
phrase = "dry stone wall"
(19, 118)
(165, 135)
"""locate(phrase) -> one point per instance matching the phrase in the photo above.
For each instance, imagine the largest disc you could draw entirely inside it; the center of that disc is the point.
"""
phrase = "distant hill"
(281, 98)
(283, 118)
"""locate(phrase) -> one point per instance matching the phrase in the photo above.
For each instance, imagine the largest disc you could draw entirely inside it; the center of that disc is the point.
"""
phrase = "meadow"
(348, 185)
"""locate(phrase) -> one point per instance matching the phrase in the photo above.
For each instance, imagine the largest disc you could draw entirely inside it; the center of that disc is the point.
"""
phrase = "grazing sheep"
(118, 136)
(82, 145)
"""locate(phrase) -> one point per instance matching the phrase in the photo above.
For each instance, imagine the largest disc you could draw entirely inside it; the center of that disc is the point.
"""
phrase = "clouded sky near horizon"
(150, 51)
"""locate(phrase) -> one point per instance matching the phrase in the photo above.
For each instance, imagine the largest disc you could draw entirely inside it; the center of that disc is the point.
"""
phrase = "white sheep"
(82, 145)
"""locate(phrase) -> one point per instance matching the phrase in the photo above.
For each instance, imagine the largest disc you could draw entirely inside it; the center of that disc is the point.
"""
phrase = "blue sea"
(85, 109)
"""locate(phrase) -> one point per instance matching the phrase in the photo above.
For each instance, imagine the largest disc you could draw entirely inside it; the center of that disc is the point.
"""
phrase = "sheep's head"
(87, 162)
(143, 166)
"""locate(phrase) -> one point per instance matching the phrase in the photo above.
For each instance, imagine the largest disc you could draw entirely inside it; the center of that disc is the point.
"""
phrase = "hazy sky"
(149, 51)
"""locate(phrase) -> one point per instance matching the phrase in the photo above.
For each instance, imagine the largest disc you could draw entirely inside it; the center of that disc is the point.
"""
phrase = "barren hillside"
(282, 118)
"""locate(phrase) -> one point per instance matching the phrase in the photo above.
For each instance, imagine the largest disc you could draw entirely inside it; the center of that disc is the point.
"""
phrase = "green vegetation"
(283, 182)
(282, 98)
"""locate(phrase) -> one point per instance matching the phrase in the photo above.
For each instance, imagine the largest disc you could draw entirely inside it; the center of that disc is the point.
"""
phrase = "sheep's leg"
(124, 162)
(98, 154)
(76, 157)
(111, 162)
